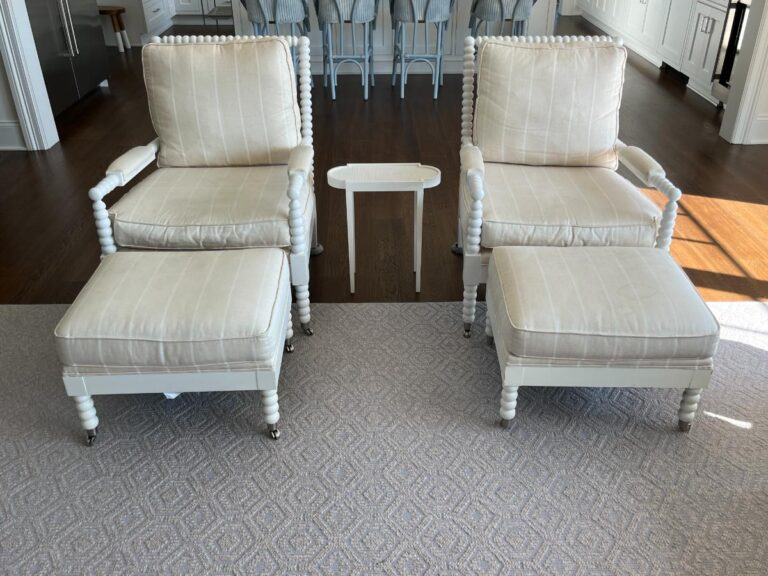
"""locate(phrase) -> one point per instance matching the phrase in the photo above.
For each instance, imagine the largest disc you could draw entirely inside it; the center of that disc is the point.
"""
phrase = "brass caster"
(91, 437)
(307, 328)
(316, 250)
(456, 249)
(274, 433)
(467, 329)
(684, 426)
(506, 424)
(289, 348)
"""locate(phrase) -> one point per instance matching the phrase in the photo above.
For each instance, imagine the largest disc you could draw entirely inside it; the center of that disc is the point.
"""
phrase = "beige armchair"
(539, 153)
(234, 151)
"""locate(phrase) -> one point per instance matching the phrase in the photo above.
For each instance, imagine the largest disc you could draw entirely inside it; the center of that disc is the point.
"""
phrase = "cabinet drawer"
(155, 12)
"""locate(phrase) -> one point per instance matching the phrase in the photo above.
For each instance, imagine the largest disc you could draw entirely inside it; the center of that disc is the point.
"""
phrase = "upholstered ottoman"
(598, 316)
(178, 322)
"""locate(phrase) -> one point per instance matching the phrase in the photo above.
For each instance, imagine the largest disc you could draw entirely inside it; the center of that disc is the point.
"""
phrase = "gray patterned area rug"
(391, 462)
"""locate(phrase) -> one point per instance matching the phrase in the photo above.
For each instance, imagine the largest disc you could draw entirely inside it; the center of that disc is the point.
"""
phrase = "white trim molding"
(19, 54)
(743, 122)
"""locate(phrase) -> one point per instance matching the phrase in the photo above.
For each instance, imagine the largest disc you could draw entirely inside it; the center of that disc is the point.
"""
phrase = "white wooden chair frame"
(691, 380)
(475, 272)
(300, 169)
(81, 388)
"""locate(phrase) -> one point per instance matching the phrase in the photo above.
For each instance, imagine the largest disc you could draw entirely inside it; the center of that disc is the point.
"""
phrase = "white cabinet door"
(645, 20)
(618, 11)
(702, 44)
(188, 7)
(674, 32)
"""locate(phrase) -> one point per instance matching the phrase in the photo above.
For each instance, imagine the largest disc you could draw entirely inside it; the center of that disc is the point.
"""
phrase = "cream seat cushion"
(598, 304)
(223, 104)
(554, 104)
(561, 206)
(144, 312)
(209, 208)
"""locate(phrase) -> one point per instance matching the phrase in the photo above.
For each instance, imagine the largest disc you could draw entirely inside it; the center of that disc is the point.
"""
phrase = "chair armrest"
(471, 159)
(300, 160)
(642, 165)
(132, 162)
(652, 174)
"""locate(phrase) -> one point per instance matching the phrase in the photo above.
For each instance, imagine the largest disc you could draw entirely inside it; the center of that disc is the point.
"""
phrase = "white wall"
(569, 8)
(11, 137)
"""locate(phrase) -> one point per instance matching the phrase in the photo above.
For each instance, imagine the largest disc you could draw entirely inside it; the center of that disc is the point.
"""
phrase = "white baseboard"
(11, 136)
(758, 132)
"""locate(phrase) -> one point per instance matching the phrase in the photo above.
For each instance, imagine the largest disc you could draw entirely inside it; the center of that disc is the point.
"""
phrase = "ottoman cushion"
(144, 312)
(598, 304)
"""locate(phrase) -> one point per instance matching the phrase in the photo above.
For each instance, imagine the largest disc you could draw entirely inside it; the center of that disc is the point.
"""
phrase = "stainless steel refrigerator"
(71, 48)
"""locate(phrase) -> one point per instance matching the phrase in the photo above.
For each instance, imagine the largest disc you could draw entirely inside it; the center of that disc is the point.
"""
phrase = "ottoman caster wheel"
(506, 424)
(307, 328)
(684, 426)
(467, 329)
(456, 249)
(91, 436)
(289, 347)
(316, 250)
(274, 433)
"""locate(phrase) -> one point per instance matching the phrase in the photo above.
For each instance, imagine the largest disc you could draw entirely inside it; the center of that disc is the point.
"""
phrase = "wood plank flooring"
(48, 246)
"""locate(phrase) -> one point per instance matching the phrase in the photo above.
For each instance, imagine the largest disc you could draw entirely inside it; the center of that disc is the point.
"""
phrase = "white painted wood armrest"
(300, 160)
(471, 159)
(641, 164)
(133, 162)
(650, 172)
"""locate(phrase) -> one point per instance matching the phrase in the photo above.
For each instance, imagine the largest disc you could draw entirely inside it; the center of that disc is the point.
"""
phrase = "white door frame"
(22, 65)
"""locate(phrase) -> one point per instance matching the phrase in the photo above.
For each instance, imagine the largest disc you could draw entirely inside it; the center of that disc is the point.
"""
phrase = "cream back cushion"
(554, 104)
(223, 104)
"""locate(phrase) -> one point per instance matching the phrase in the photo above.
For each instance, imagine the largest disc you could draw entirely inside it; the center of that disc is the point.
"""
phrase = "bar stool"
(486, 11)
(336, 13)
(415, 12)
(116, 14)
(293, 13)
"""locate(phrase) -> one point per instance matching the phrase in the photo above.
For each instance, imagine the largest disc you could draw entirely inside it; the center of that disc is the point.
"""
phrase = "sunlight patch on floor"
(738, 423)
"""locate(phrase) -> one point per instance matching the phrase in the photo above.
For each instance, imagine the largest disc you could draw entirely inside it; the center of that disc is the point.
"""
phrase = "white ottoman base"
(691, 380)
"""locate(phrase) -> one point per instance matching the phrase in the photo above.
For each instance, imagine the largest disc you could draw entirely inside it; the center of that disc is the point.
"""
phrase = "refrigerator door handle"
(63, 16)
(71, 27)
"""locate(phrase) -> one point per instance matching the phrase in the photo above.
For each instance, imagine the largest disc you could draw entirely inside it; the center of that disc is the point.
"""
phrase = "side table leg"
(351, 237)
(418, 218)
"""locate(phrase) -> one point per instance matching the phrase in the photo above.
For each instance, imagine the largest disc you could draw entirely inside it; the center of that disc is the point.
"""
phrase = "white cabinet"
(644, 20)
(674, 31)
(702, 45)
(187, 6)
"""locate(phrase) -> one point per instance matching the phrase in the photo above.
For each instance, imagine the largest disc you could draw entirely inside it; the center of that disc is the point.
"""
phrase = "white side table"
(385, 178)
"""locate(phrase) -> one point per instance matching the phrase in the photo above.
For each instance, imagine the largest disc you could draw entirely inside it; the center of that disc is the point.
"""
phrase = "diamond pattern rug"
(391, 462)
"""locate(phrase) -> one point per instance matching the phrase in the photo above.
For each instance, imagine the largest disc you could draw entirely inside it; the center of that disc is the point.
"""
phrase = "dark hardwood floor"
(48, 246)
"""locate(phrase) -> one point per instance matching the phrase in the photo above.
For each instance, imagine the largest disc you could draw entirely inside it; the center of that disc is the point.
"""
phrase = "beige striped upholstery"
(209, 208)
(554, 104)
(561, 206)
(144, 312)
(598, 305)
(223, 104)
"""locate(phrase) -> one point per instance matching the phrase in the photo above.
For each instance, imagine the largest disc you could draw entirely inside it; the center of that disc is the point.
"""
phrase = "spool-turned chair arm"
(299, 173)
(119, 173)
(650, 173)
(473, 169)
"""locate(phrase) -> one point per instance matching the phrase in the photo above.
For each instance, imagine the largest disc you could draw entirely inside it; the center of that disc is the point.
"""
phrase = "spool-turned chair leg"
(302, 302)
(88, 419)
(470, 305)
(508, 405)
(289, 334)
(488, 328)
(688, 406)
(271, 411)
